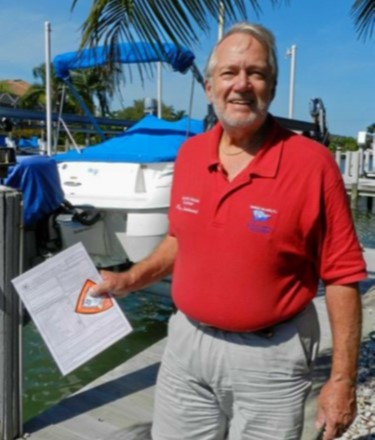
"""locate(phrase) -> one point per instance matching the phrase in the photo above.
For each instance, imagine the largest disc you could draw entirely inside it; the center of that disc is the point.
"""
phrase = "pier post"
(348, 164)
(10, 315)
(355, 156)
(338, 157)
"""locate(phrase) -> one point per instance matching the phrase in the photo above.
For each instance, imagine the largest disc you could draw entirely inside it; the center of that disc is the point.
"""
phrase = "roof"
(17, 87)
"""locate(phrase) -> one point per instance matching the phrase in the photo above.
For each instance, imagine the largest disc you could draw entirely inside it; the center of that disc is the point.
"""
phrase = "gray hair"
(259, 32)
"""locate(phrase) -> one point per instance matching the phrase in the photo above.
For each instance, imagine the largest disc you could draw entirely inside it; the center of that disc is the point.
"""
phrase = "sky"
(331, 62)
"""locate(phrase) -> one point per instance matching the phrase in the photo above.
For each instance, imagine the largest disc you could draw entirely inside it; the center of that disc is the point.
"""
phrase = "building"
(11, 91)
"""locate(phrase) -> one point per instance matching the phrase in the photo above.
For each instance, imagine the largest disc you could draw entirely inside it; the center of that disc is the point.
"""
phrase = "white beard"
(258, 113)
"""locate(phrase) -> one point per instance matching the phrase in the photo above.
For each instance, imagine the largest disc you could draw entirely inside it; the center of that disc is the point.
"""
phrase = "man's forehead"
(236, 45)
(239, 43)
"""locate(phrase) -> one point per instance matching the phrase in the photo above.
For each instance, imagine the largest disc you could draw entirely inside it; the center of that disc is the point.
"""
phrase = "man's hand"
(147, 271)
(336, 408)
(118, 284)
(337, 400)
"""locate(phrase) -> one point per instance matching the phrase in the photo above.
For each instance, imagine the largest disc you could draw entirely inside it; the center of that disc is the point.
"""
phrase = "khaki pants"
(216, 385)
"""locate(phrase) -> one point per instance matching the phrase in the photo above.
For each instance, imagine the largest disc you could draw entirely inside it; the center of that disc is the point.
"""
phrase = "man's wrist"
(339, 378)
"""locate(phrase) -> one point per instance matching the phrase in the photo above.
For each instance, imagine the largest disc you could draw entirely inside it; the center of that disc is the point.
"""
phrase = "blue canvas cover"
(38, 179)
(150, 140)
(179, 58)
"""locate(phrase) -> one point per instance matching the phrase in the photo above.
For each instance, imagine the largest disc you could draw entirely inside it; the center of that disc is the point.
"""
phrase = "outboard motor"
(318, 114)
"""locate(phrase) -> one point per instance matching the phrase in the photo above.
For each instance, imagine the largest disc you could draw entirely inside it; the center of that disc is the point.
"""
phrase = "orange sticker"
(88, 304)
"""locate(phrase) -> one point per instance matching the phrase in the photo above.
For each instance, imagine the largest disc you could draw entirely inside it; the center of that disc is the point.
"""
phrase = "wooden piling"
(355, 156)
(10, 315)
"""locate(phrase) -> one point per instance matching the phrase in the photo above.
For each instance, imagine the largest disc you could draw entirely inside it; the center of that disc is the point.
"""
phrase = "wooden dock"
(358, 173)
(121, 398)
(115, 401)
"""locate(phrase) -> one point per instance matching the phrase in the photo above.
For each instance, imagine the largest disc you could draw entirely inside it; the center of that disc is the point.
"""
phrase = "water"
(42, 381)
(148, 314)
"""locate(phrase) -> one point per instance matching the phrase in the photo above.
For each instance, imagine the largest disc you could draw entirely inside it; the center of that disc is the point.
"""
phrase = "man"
(258, 215)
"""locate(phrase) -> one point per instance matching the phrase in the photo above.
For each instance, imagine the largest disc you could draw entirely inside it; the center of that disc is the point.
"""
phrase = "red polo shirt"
(251, 251)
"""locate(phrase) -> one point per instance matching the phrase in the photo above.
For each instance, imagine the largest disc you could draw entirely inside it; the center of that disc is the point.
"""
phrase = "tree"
(92, 85)
(4, 87)
(136, 112)
(155, 21)
(35, 97)
(95, 85)
(343, 143)
(363, 12)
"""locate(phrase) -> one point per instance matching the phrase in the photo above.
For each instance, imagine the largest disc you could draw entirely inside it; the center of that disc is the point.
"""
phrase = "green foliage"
(4, 87)
(92, 85)
(136, 112)
(342, 143)
(19, 132)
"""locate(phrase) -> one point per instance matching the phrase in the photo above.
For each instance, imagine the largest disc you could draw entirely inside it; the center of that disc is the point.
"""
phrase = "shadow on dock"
(91, 399)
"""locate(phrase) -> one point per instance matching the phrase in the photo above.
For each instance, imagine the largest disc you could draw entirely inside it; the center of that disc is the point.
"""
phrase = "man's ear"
(208, 89)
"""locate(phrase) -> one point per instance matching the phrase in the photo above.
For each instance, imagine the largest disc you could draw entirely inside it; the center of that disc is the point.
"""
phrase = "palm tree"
(95, 85)
(363, 12)
(156, 21)
(92, 84)
(35, 97)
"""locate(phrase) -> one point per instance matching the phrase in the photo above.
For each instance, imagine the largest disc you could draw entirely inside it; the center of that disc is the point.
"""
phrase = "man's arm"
(153, 268)
(337, 400)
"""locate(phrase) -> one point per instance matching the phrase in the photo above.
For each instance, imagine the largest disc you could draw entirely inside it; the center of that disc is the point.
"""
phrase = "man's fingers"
(329, 432)
(320, 419)
(102, 287)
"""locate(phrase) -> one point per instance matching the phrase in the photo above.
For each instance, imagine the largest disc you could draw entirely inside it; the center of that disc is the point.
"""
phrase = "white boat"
(127, 180)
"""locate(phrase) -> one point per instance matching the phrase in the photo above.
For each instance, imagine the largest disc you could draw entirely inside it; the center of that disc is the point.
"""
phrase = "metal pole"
(292, 53)
(47, 27)
(159, 89)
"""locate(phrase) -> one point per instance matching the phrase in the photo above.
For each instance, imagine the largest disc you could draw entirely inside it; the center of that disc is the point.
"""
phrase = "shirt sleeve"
(342, 259)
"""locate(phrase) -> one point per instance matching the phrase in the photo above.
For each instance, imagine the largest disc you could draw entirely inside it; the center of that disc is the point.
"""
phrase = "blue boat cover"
(149, 140)
(31, 142)
(179, 58)
(38, 179)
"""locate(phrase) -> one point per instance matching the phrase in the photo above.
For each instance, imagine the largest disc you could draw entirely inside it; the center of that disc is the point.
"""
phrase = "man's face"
(241, 86)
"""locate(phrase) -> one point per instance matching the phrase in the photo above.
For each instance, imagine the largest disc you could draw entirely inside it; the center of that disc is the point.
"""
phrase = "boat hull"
(132, 199)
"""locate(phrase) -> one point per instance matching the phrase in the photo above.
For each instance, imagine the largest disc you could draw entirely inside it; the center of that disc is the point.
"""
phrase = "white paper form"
(50, 292)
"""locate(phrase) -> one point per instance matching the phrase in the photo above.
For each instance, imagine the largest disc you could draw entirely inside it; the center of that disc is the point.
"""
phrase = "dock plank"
(369, 255)
(121, 398)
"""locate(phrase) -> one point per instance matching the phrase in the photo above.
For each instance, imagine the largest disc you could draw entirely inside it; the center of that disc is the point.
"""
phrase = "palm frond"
(181, 22)
(156, 21)
(363, 12)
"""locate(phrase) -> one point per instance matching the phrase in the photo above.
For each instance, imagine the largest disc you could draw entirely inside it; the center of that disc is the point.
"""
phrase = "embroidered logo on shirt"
(262, 219)
(188, 204)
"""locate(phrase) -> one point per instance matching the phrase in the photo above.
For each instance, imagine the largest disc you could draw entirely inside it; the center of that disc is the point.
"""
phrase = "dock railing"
(10, 315)
(358, 172)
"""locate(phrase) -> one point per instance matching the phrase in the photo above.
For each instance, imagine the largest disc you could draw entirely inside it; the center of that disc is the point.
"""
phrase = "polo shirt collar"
(266, 161)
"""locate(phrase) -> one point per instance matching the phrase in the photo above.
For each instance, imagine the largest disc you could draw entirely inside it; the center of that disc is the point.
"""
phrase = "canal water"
(148, 314)
(44, 385)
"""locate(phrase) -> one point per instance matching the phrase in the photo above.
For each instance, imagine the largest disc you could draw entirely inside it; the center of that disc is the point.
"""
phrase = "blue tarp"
(38, 179)
(179, 58)
(150, 140)
(31, 142)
